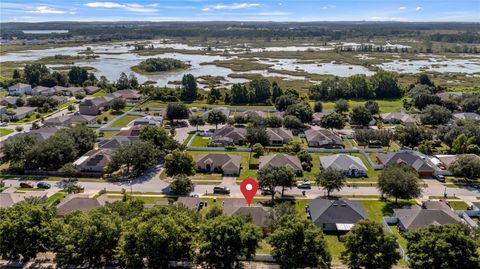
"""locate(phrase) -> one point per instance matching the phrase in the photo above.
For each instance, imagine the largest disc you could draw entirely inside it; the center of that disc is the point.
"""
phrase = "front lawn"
(4, 131)
(124, 121)
(56, 198)
(458, 205)
(200, 142)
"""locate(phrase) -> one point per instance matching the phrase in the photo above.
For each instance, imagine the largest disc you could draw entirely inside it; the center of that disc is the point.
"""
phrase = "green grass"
(187, 140)
(386, 106)
(124, 121)
(400, 239)
(20, 189)
(4, 132)
(376, 210)
(99, 93)
(109, 134)
(335, 246)
(458, 205)
(264, 247)
(56, 198)
(200, 142)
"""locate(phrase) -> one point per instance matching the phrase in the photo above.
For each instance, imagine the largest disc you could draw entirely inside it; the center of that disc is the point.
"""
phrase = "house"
(21, 112)
(398, 118)
(335, 215)
(351, 166)
(72, 91)
(9, 101)
(132, 131)
(449, 95)
(60, 99)
(448, 160)
(278, 160)
(116, 142)
(94, 161)
(317, 117)
(238, 206)
(436, 213)
(192, 203)
(323, 138)
(9, 197)
(58, 121)
(229, 135)
(279, 136)
(466, 116)
(93, 106)
(148, 120)
(80, 202)
(422, 166)
(19, 89)
(69, 120)
(91, 89)
(44, 91)
(128, 95)
(225, 111)
(45, 132)
(79, 119)
(228, 164)
(253, 113)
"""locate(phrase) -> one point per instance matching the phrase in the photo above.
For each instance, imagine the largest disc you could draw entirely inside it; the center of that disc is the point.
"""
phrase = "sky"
(226, 10)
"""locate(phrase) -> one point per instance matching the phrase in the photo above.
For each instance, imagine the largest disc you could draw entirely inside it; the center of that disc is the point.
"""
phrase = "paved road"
(28, 126)
(151, 183)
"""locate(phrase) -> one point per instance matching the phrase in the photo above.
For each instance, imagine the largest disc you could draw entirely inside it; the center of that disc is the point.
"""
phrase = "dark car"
(26, 185)
(221, 190)
(43, 185)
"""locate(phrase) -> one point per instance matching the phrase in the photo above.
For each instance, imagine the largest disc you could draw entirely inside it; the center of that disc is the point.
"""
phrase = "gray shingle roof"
(278, 160)
(336, 211)
(342, 162)
(238, 206)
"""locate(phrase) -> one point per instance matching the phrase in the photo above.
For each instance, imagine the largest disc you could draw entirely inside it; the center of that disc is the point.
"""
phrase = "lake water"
(466, 66)
(116, 58)
(38, 32)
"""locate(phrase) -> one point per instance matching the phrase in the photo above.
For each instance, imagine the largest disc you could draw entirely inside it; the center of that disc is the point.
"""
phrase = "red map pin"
(249, 188)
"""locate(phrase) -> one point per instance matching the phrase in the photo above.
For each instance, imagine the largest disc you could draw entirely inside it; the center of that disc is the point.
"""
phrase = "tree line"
(125, 234)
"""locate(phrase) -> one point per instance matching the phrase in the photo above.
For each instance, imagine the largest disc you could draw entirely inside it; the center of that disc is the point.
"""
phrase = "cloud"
(46, 10)
(127, 7)
(418, 8)
(402, 8)
(231, 7)
(380, 18)
(329, 6)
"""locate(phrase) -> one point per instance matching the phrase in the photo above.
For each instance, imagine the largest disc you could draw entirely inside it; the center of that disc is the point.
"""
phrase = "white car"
(3, 124)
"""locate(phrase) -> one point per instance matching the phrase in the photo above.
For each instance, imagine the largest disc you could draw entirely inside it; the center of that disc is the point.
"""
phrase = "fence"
(58, 174)
(375, 166)
(392, 220)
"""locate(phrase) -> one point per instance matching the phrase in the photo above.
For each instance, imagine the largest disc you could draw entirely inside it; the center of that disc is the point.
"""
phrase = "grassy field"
(335, 246)
(109, 134)
(458, 205)
(386, 106)
(56, 198)
(4, 132)
(376, 210)
(200, 142)
(124, 121)
(189, 137)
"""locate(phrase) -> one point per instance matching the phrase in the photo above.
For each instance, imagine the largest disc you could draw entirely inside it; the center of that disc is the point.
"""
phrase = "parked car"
(3, 124)
(43, 185)
(266, 191)
(304, 185)
(221, 190)
(26, 184)
(440, 178)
